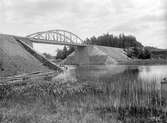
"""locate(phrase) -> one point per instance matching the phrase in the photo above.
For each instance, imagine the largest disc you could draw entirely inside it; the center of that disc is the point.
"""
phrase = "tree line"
(121, 41)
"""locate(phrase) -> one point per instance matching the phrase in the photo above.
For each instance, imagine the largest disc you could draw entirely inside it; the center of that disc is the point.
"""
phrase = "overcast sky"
(145, 19)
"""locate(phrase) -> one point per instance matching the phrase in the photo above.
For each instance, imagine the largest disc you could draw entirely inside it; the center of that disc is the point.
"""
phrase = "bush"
(139, 53)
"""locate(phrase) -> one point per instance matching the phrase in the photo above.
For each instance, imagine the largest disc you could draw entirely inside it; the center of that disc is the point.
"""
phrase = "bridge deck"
(56, 42)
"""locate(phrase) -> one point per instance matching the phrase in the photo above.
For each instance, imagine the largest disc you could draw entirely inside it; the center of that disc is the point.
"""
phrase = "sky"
(145, 19)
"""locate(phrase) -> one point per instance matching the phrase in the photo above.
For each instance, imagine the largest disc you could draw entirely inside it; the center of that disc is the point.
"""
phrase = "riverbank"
(144, 62)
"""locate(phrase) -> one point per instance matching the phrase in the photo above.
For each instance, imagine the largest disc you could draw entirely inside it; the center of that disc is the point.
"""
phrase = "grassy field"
(115, 101)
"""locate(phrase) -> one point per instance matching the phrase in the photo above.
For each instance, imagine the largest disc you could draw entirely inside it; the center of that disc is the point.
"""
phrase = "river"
(107, 72)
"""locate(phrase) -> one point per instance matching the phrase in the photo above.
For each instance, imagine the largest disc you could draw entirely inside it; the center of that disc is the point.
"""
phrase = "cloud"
(27, 10)
(153, 18)
(143, 18)
(129, 27)
(121, 6)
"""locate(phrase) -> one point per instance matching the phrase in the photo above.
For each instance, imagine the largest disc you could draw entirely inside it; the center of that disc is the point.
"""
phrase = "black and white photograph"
(83, 61)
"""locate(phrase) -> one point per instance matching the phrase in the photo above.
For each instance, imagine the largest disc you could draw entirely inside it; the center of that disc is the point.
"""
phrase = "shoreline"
(144, 62)
(131, 62)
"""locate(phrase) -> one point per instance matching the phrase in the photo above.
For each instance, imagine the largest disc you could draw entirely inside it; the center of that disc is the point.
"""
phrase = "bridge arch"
(58, 36)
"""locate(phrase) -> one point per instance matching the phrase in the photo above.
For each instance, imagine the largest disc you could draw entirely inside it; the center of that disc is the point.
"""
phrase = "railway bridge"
(57, 37)
(84, 53)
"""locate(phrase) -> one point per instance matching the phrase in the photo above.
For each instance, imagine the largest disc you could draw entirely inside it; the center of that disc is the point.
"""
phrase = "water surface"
(108, 72)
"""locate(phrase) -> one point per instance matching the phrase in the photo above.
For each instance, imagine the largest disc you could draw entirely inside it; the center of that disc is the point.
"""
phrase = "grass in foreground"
(117, 101)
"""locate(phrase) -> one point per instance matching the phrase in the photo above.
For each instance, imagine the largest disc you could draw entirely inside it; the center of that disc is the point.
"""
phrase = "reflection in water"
(107, 73)
(149, 73)
(98, 72)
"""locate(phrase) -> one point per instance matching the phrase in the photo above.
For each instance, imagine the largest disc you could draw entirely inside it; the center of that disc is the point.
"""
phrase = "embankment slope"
(15, 59)
(96, 55)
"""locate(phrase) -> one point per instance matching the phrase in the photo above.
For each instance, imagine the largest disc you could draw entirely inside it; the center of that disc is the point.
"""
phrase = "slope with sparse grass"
(17, 59)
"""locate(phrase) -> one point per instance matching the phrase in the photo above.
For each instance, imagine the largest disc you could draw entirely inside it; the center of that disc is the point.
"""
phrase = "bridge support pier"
(82, 55)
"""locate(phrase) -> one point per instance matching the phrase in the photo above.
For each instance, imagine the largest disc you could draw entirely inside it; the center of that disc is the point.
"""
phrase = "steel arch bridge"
(58, 37)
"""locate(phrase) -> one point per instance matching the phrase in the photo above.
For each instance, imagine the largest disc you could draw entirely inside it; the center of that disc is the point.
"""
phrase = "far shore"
(144, 62)
(133, 62)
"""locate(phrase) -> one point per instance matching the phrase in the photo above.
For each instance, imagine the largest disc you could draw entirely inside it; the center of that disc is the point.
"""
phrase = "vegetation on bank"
(109, 40)
(61, 53)
(138, 53)
(133, 48)
(157, 53)
(121, 41)
(119, 100)
(144, 62)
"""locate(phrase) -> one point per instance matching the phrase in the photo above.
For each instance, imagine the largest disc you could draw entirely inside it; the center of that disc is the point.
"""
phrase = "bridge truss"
(60, 37)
